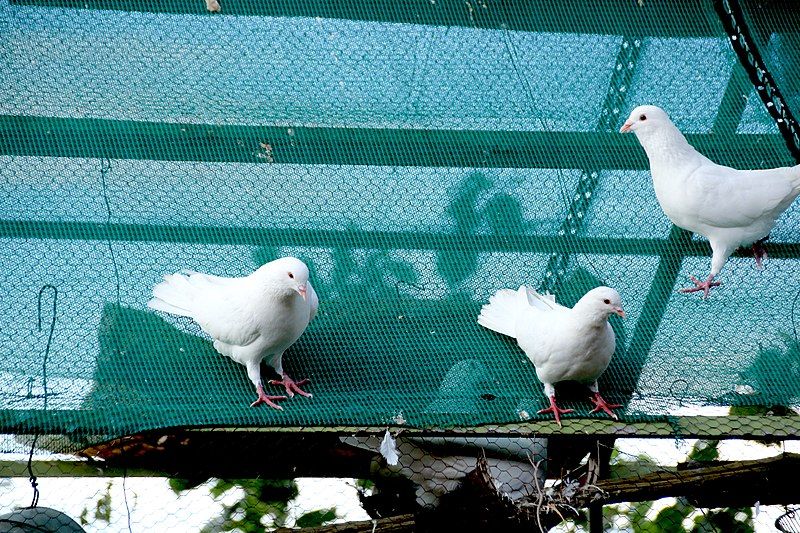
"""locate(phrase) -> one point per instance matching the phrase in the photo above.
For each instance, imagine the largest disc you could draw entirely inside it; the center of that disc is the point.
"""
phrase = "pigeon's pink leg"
(601, 405)
(704, 286)
(291, 385)
(760, 253)
(556, 410)
(269, 400)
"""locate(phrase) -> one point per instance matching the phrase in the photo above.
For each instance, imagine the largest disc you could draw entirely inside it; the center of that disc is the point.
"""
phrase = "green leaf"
(670, 519)
(103, 506)
(366, 484)
(179, 485)
(316, 518)
(221, 487)
(705, 450)
(733, 520)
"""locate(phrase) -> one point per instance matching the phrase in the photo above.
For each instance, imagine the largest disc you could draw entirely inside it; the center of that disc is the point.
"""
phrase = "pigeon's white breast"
(564, 350)
(282, 326)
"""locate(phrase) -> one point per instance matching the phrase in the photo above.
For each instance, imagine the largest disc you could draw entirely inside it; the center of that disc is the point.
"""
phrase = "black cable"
(31, 476)
(732, 18)
(105, 168)
(794, 326)
(125, 497)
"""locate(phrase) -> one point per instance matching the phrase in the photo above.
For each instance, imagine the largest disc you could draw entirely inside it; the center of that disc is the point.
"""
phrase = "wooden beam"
(566, 16)
(771, 481)
(703, 427)
(733, 484)
(404, 523)
(121, 139)
(70, 468)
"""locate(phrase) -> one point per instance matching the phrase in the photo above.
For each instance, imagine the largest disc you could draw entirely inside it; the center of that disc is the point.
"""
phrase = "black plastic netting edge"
(732, 18)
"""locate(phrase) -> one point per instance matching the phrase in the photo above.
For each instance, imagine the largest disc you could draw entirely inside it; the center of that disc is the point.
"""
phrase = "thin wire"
(562, 182)
(512, 54)
(105, 168)
(794, 325)
(31, 476)
(125, 496)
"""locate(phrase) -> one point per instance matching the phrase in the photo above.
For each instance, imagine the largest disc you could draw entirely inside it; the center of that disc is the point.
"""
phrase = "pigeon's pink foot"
(704, 286)
(601, 405)
(556, 410)
(760, 253)
(269, 400)
(292, 386)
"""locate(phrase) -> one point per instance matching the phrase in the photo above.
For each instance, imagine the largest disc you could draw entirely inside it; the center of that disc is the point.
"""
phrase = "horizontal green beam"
(407, 240)
(114, 139)
(71, 468)
(616, 17)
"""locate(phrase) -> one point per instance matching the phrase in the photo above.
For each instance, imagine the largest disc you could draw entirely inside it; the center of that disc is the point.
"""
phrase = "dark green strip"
(100, 138)
(616, 17)
(733, 101)
(98, 231)
(677, 246)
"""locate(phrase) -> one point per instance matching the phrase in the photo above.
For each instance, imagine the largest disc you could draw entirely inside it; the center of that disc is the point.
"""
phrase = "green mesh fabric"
(418, 156)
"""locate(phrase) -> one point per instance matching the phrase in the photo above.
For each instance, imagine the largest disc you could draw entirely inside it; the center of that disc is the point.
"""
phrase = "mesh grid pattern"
(417, 161)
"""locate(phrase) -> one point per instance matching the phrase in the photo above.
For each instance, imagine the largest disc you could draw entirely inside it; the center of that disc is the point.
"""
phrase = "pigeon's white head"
(288, 274)
(601, 302)
(644, 119)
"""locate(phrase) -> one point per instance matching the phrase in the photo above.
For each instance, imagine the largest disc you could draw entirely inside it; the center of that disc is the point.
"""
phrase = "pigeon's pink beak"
(626, 127)
(302, 290)
(620, 311)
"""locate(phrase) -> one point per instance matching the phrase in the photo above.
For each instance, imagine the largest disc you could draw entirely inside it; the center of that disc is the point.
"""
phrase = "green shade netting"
(418, 157)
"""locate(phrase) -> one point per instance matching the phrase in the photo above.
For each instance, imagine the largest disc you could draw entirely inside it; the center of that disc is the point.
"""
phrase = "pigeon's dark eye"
(606, 301)
(291, 275)
(642, 117)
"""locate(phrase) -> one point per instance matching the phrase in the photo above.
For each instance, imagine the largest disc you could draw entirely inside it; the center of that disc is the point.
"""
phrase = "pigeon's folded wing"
(733, 198)
(227, 314)
(538, 339)
(198, 279)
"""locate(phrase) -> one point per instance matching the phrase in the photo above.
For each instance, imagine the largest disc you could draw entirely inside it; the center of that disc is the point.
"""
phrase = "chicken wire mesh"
(417, 158)
(649, 485)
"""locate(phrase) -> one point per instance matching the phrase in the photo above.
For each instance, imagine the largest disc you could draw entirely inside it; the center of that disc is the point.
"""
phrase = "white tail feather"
(503, 309)
(174, 295)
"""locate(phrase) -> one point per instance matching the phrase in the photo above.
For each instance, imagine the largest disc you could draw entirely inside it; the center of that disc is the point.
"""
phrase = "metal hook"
(39, 306)
(683, 392)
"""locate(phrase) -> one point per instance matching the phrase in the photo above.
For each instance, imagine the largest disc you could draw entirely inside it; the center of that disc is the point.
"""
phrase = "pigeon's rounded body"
(730, 207)
(250, 318)
(563, 344)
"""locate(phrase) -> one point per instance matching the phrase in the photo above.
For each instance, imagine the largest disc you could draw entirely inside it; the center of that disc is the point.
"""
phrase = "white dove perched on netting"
(730, 207)
(564, 344)
(250, 318)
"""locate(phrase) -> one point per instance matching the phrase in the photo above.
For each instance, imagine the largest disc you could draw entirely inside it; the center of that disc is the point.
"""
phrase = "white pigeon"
(730, 207)
(564, 344)
(250, 318)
